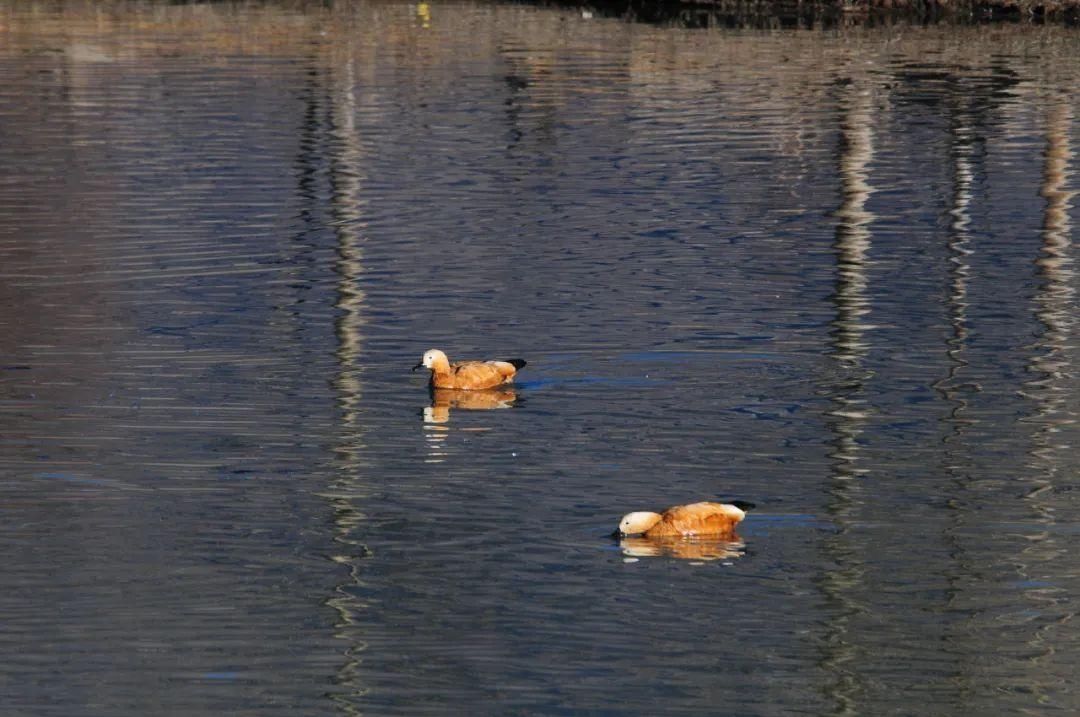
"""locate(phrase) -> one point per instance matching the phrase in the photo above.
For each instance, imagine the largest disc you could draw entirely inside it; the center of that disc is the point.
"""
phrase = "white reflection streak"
(953, 391)
(853, 234)
(435, 436)
(963, 142)
(346, 177)
(436, 430)
(960, 252)
(346, 180)
(850, 299)
(845, 418)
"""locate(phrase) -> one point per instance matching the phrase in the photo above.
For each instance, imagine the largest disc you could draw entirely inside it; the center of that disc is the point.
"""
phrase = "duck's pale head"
(637, 522)
(433, 359)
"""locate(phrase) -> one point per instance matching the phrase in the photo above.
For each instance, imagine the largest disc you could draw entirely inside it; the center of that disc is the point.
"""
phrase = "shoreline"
(828, 13)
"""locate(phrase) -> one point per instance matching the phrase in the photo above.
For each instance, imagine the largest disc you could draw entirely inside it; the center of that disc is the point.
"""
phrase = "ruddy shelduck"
(467, 375)
(714, 520)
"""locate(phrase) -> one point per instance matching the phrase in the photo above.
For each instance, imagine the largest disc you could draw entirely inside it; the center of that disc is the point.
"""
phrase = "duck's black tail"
(516, 363)
(742, 505)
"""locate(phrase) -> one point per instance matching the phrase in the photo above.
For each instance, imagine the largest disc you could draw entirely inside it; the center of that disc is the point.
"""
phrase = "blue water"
(831, 272)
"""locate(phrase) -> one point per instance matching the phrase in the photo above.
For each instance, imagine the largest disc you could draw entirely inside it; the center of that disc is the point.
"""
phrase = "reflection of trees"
(963, 143)
(848, 412)
(346, 155)
(965, 151)
(1051, 390)
(1051, 360)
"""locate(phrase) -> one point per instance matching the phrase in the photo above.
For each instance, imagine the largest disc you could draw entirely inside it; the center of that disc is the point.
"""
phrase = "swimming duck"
(706, 519)
(467, 375)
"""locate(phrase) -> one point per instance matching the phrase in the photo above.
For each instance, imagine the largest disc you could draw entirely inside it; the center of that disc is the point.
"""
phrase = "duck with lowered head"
(713, 520)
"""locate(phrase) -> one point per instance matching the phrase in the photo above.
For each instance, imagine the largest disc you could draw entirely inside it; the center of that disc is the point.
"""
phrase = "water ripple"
(828, 272)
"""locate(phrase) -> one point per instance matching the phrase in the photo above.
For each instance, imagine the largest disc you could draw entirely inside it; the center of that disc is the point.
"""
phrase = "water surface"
(831, 272)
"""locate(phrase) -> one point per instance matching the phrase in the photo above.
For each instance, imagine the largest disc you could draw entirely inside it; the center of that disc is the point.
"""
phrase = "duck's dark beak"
(617, 534)
(417, 365)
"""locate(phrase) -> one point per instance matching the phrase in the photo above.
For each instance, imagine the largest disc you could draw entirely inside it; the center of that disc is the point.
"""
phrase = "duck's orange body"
(715, 520)
(472, 375)
(468, 375)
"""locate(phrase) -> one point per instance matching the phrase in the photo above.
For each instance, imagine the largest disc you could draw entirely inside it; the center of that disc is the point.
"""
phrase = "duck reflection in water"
(444, 399)
(682, 548)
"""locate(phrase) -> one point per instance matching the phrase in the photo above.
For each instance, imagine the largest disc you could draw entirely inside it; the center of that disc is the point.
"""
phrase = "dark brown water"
(829, 272)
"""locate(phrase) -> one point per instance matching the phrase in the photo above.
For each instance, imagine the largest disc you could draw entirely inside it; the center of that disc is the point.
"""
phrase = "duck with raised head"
(713, 520)
(467, 375)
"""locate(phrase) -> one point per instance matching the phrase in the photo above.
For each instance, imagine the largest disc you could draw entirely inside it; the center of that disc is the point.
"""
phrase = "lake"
(829, 269)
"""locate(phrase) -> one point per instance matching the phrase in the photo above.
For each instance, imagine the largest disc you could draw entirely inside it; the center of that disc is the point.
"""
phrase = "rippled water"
(831, 272)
